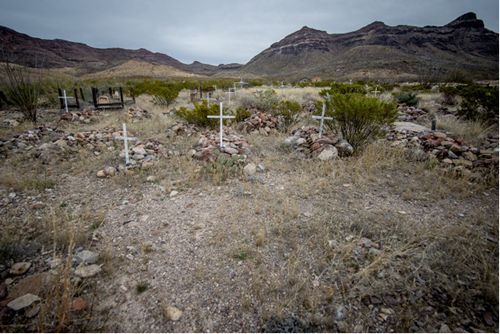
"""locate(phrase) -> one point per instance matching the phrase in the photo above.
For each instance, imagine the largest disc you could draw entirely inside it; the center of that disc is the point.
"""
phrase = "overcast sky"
(220, 31)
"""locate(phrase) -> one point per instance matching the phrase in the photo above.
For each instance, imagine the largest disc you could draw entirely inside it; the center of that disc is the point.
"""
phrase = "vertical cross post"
(125, 142)
(221, 117)
(322, 119)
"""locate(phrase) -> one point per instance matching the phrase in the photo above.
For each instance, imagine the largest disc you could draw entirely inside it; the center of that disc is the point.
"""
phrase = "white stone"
(172, 313)
(23, 301)
(87, 257)
(329, 153)
(250, 169)
(87, 271)
(173, 193)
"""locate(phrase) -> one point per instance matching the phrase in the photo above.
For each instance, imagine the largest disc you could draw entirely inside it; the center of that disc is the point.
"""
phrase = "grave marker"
(322, 119)
(65, 98)
(221, 117)
(125, 142)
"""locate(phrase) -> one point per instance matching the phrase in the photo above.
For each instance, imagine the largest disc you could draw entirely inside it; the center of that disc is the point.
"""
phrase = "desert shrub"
(408, 98)
(265, 100)
(21, 89)
(242, 114)
(163, 93)
(479, 102)
(359, 118)
(289, 111)
(198, 115)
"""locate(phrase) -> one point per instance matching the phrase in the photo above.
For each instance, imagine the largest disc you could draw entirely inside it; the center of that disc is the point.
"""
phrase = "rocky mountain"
(35, 52)
(461, 47)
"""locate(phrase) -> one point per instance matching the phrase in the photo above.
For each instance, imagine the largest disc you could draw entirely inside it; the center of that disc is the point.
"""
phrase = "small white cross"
(125, 142)
(376, 91)
(65, 99)
(221, 118)
(322, 119)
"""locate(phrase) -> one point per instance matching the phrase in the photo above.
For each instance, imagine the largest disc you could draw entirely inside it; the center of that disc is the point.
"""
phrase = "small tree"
(21, 89)
(359, 118)
(198, 115)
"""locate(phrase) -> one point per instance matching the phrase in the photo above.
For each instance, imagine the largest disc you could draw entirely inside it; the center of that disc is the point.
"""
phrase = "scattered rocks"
(84, 271)
(307, 144)
(179, 128)
(137, 114)
(20, 268)
(207, 148)
(172, 313)
(87, 116)
(23, 302)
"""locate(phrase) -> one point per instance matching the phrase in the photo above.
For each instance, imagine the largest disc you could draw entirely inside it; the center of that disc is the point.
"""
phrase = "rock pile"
(207, 147)
(28, 140)
(453, 153)
(408, 114)
(137, 114)
(307, 144)
(86, 116)
(181, 129)
(260, 123)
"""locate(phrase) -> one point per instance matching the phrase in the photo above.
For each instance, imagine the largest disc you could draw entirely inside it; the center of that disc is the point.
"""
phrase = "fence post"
(121, 96)
(81, 94)
(61, 100)
(94, 96)
(75, 91)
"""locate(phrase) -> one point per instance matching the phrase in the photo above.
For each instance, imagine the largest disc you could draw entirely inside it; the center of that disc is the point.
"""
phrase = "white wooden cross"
(65, 97)
(221, 118)
(376, 91)
(322, 119)
(126, 139)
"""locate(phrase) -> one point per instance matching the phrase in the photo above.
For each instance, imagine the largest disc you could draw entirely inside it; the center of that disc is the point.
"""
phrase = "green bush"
(408, 98)
(265, 100)
(479, 102)
(289, 110)
(163, 92)
(198, 115)
(359, 118)
(242, 114)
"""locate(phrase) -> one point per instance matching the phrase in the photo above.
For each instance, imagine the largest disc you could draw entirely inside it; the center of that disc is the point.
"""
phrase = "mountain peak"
(468, 20)
(374, 25)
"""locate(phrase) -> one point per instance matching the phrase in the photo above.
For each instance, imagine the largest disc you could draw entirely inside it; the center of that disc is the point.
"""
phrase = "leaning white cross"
(65, 98)
(126, 139)
(221, 118)
(322, 119)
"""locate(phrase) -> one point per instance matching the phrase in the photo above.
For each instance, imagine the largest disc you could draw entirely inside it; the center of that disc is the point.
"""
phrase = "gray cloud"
(220, 31)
